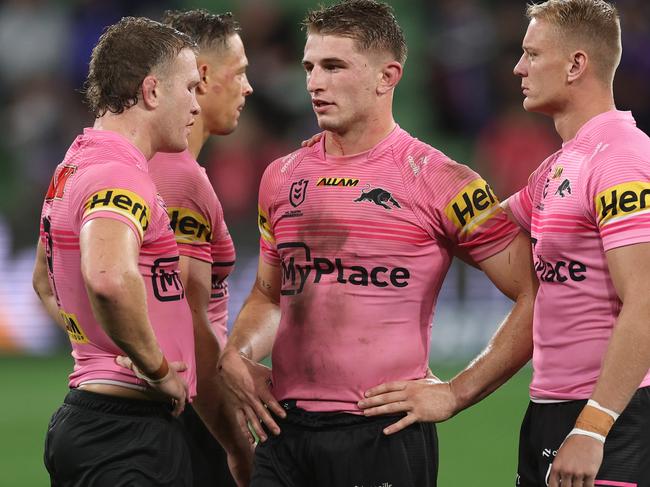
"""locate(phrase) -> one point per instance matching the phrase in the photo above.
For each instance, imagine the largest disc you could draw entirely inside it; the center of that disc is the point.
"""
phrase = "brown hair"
(594, 22)
(208, 30)
(370, 23)
(125, 54)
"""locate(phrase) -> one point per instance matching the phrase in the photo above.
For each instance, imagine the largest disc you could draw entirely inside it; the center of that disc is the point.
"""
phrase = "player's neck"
(359, 139)
(580, 110)
(130, 128)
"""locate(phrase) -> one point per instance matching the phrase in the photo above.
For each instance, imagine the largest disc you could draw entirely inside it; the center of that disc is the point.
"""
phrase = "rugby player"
(107, 268)
(207, 254)
(357, 234)
(585, 209)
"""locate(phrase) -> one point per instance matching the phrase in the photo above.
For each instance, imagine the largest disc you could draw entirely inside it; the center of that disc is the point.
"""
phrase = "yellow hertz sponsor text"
(121, 201)
(189, 226)
(337, 182)
(264, 225)
(73, 327)
(622, 200)
(473, 205)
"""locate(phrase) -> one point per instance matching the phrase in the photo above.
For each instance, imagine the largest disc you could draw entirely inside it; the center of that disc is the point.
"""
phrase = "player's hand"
(424, 400)
(313, 140)
(171, 386)
(250, 383)
(577, 462)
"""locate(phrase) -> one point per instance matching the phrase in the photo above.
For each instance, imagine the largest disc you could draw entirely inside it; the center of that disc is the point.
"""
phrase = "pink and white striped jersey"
(199, 227)
(363, 244)
(591, 196)
(104, 176)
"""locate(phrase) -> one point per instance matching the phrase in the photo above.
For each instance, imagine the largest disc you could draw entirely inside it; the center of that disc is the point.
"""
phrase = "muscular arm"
(211, 402)
(509, 349)
(625, 365)
(257, 323)
(627, 359)
(251, 340)
(41, 284)
(109, 266)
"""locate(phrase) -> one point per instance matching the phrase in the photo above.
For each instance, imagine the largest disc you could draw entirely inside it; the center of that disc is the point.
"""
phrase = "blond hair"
(593, 24)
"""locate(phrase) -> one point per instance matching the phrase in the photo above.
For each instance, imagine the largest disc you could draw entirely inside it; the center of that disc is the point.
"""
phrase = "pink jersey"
(199, 226)
(363, 244)
(590, 197)
(105, 176)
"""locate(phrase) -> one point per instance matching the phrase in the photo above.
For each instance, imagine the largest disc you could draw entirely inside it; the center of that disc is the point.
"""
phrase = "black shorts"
(106, 441)
(346, 450)
(626, 460)
(209, 460)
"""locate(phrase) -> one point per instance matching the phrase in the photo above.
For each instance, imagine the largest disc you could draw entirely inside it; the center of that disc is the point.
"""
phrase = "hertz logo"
(337, 182)
(73, 328)
(622, 200)
(264, 226)
(189, 226)
(473, 205)
(120, 201)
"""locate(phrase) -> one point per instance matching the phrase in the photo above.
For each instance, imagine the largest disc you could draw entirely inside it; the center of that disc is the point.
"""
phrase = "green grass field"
(478, 447)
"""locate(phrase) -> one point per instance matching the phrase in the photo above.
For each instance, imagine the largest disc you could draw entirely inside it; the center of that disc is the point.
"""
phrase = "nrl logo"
(298, 192)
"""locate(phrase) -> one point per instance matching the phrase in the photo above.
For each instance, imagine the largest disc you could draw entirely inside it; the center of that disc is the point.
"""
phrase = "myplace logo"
(303, 267)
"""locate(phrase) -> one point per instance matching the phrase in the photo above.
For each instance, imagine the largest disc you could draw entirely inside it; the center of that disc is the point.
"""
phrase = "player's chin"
(530, 105)
(177, 145)
(326, 123)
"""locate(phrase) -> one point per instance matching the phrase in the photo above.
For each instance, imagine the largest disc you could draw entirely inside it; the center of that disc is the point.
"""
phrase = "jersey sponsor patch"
(472, 206)
(264, 225)
(325, 181)
(621, 201)
(189, 226)
(72, 326)
(123, 202)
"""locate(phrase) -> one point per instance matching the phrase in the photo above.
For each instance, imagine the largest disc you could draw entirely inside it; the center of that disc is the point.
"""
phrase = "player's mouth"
(321, 106)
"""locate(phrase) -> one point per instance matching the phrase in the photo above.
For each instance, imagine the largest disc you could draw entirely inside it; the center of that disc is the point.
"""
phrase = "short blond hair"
(595, 24)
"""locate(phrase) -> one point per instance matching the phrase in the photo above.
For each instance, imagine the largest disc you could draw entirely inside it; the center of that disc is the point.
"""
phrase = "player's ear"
(390, 75)
(204, 74)
(150, 91)
(578, 65)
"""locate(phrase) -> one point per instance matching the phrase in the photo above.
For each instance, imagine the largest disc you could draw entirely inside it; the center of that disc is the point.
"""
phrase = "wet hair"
(208, 30)
(370, 23)
(126, 53)
(593, 24)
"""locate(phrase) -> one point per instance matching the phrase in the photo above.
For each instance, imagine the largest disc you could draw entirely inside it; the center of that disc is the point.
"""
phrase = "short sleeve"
(191, 206)
(460, 207)
(268, 190)
(119, 192)
(617, 198)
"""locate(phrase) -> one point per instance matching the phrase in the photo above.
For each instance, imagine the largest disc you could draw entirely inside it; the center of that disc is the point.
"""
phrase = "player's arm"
(211, 402)
(250, 341)
(42, 286)
(109, 266)
(626, 363)
(509, 349)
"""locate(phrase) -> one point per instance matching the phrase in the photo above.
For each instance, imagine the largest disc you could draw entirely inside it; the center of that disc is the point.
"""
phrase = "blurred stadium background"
(458, 94)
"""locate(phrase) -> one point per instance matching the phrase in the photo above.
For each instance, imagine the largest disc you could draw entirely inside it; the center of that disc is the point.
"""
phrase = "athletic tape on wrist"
(613, 414)
(159, 375)
(591, 434)
(595, 420)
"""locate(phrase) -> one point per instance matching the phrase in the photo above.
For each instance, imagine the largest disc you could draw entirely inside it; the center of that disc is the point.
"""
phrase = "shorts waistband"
(103, 403)
(315, 420)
